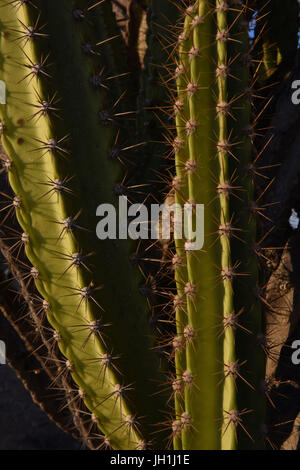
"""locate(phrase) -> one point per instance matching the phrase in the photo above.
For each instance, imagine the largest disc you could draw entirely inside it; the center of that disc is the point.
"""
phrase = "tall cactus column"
(62, 130)
(212, 153)
(61, 123)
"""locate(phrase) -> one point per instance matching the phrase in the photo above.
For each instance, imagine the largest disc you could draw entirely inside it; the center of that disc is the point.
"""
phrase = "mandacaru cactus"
(167, 357)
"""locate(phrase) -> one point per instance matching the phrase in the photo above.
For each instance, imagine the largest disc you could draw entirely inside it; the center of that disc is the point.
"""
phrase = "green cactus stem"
(224, 363)
(61, 123)
(277, 35)
(67, 116)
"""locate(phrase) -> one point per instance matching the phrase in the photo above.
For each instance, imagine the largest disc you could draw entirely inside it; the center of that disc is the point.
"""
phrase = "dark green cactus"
(67, 129)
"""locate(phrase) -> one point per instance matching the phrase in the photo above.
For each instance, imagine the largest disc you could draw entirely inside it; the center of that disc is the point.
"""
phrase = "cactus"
(54, 205)
(66, 129)
(213, 161)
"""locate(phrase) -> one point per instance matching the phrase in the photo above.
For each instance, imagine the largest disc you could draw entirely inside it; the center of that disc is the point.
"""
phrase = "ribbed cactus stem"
(180, 187)
(216, 150)
(61, 124)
